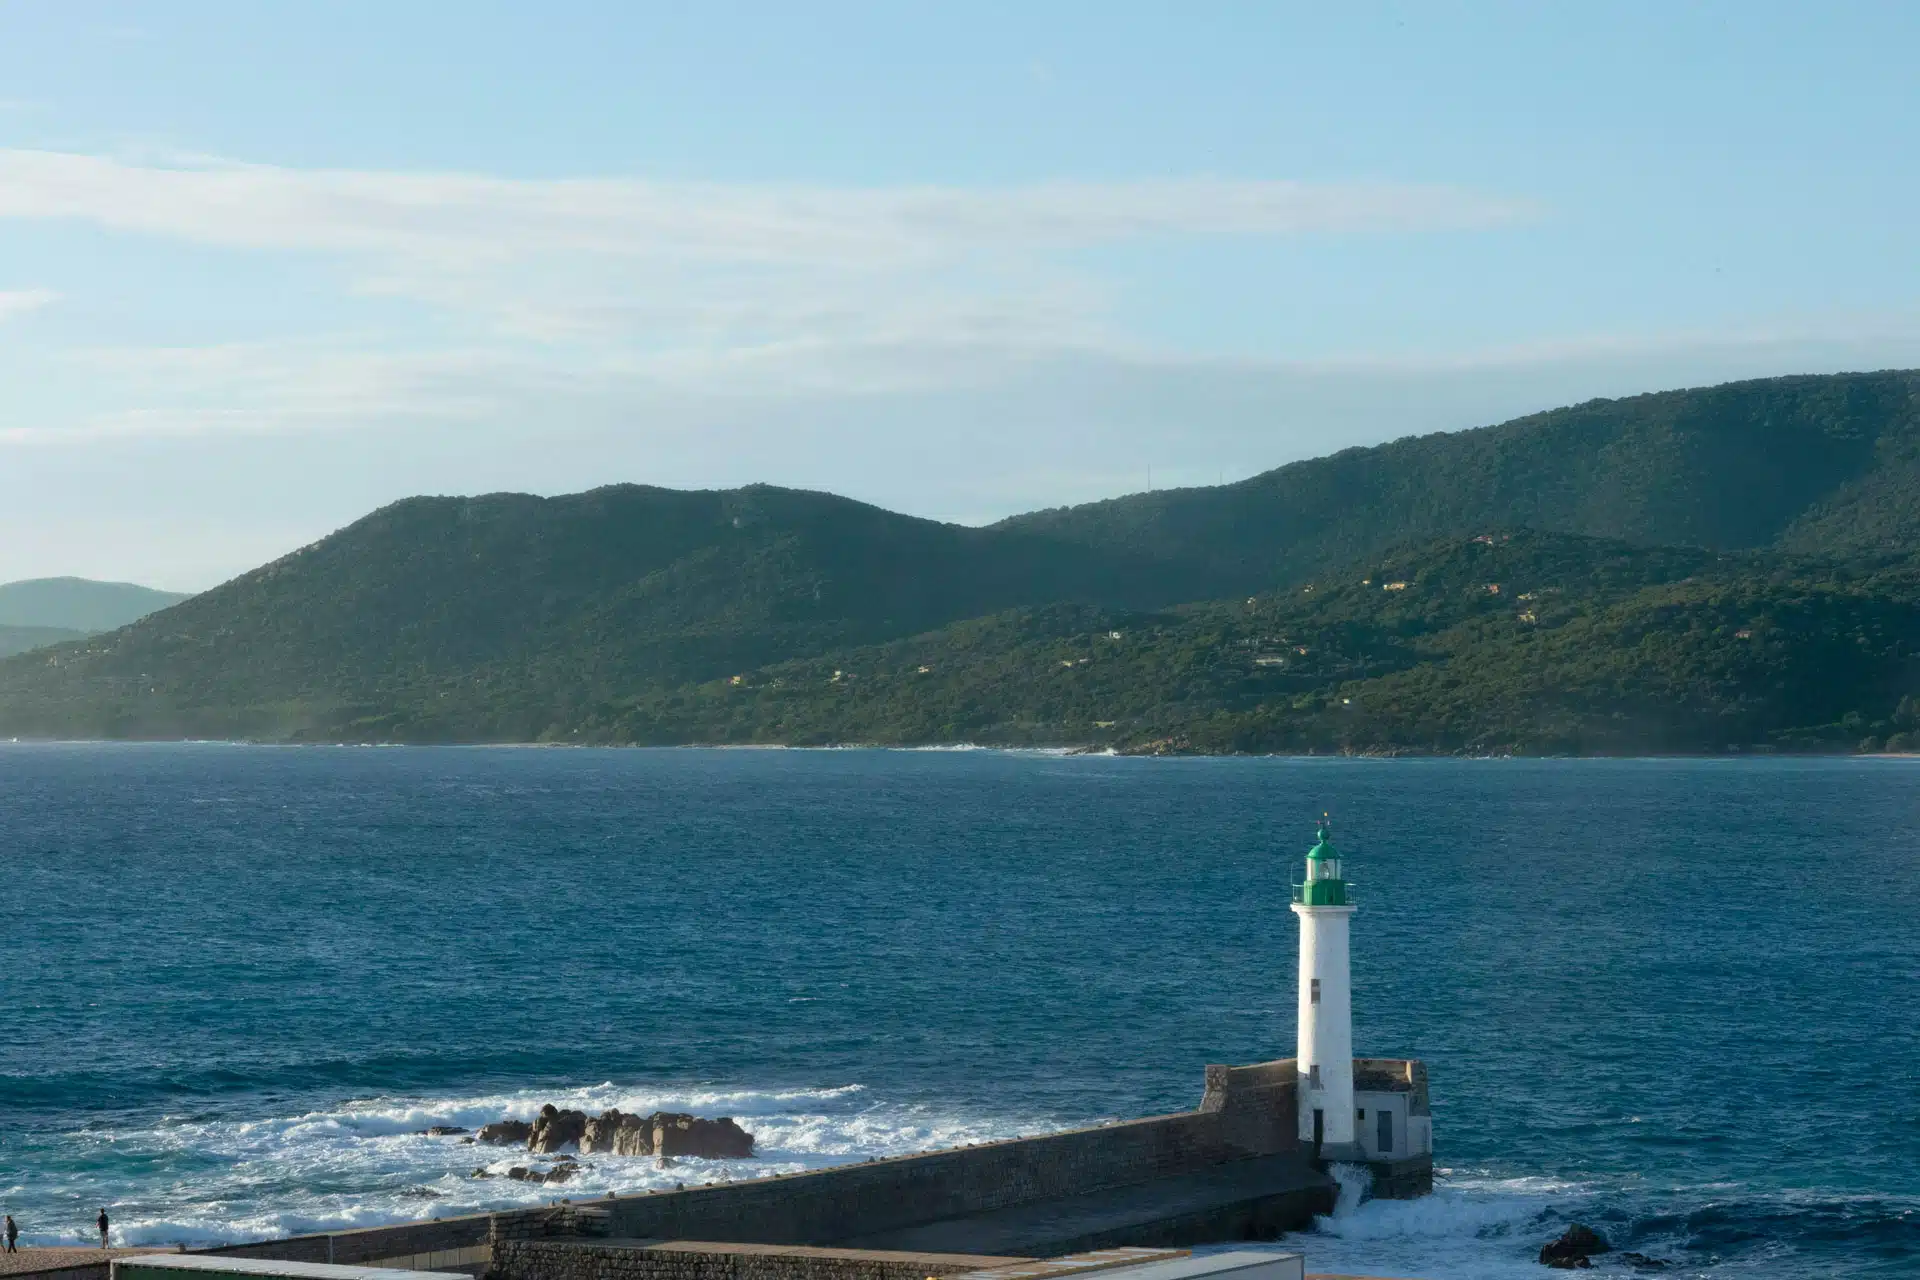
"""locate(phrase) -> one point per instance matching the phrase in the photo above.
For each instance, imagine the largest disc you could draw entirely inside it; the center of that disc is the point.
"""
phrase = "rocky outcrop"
(554, 1129)
(442, 1131)
(1572, 1250)
(505, 1132)
(618, 1133)
(520, 1173)
(614, 1132)
(675, 1134)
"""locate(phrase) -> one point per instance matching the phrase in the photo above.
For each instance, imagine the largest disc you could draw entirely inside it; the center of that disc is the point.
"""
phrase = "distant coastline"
(1054, 750)
(1716, 571)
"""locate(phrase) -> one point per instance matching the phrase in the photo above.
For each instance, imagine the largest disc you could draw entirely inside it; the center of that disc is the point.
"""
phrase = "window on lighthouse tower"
(1313, 991)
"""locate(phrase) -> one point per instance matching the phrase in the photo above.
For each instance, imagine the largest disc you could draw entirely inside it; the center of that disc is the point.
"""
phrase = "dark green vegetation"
(510, 617)
(1525, 642)
(1825, 465)
(79, 604)
(1724, 569)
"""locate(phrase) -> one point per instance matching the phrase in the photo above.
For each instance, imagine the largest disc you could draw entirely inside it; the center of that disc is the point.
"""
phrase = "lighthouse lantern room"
(1325, 1046)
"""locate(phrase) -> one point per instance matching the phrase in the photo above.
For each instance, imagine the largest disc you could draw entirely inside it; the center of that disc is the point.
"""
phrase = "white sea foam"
(1355, 1182)
(1478, 1230)
(365, 1162)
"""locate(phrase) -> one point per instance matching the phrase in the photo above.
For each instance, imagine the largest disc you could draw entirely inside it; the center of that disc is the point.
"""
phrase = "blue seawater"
(1678, 1000)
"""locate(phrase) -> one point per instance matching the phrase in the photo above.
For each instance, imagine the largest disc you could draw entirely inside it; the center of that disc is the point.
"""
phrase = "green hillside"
(1535, 643)
(1821, 465)
(1725, 569)
(534, 607)
(79, 604)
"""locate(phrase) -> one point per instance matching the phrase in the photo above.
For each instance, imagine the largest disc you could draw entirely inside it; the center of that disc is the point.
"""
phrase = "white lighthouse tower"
(1325, 1046)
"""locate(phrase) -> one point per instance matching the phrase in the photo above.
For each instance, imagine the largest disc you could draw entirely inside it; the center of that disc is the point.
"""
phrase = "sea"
(1677, 1000)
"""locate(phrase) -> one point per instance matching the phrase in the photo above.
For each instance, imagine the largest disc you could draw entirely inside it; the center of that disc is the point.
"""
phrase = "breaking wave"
(203, 1178)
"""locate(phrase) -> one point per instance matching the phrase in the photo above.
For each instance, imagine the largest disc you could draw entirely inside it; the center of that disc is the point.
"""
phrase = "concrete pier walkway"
(1245, 1199)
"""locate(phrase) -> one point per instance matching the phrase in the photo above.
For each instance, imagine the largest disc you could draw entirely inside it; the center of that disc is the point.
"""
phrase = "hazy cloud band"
(464, 217)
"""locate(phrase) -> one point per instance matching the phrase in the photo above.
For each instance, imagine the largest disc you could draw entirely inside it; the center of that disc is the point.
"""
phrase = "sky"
(264, 268)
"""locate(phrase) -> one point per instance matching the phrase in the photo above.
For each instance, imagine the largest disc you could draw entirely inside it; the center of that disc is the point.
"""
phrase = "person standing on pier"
(102, 1223)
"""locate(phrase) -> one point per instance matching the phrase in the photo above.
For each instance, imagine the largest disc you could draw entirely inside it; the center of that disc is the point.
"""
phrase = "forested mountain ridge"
(1759, 591)
(617, 588)
(1818, 464)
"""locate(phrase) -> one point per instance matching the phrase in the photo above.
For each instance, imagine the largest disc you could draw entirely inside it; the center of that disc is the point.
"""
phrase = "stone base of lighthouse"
(1393, 1129)
(1407, 1179)
(1258, 1105)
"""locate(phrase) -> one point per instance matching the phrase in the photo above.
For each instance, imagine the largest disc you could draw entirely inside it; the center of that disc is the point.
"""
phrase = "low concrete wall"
(685, 1260)
(373, 1246)
(78, 1271)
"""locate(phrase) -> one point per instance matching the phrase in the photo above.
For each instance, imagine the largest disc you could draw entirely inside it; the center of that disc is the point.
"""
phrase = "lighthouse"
(1324, 1053)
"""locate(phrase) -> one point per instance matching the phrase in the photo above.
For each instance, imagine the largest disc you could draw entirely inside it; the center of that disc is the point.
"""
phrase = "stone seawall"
(842, 1204)
(1246, 1112)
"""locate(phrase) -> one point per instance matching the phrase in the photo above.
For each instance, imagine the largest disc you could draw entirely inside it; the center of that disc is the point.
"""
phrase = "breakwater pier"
(1233, 1168)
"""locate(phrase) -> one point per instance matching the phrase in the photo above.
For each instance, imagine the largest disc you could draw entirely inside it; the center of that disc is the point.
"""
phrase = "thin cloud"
(458, 218)
(695, 274)
(18, 302)
(593, 298)
(304, 388)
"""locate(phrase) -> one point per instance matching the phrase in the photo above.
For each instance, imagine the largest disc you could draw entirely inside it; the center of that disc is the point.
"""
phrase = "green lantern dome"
(1324, 886)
